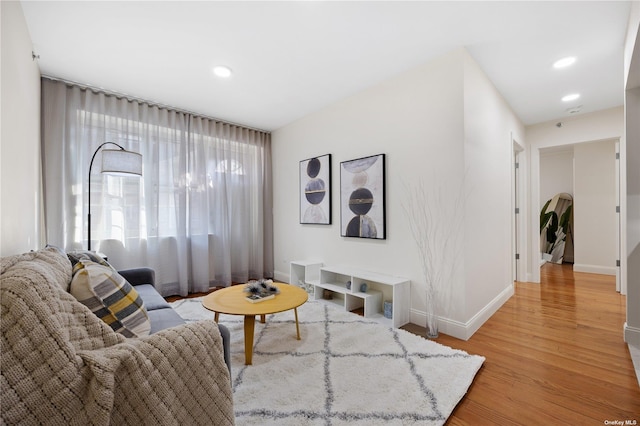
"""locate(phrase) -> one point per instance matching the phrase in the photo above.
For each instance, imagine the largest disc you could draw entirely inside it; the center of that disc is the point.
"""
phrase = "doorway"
(588, 172)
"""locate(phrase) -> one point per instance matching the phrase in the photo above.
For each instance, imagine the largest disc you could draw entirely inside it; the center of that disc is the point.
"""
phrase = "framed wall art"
(362, 197)
(315, 190)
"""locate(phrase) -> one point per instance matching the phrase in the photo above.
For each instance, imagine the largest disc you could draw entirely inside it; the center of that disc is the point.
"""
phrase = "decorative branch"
(435, 223)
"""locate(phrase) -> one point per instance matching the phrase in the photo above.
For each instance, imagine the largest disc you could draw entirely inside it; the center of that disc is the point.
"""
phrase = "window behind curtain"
(199, 215)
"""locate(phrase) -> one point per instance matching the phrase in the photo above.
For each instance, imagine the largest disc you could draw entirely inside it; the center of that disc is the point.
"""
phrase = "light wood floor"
(554, 355)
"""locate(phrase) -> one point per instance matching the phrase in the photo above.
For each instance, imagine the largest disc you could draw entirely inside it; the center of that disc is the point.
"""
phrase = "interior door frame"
(519, 245)
(620, 283)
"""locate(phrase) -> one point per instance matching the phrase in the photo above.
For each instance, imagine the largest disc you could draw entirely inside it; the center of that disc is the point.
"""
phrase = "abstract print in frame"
(315, 190)
(362, 198)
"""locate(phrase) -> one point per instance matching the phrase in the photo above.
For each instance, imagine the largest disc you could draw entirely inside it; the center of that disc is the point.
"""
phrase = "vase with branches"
(435, 224)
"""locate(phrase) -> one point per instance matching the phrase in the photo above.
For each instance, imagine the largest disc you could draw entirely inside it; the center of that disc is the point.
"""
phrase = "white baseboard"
(632, 335)
(594, 269)
(281, 276)
(461, 330)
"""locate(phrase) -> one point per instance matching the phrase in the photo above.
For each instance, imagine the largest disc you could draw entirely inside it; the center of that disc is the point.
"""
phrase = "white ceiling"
(293, 58)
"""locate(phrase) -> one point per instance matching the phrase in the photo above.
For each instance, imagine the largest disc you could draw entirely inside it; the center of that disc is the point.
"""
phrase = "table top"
(231, 300)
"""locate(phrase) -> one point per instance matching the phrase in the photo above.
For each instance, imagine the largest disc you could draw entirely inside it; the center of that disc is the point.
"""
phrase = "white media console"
(380, 288)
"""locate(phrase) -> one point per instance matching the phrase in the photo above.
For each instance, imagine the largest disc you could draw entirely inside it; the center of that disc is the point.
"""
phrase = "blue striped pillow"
(108, 295)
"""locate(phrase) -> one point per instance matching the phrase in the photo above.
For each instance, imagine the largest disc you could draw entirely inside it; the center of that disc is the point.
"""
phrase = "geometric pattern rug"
(344, 370)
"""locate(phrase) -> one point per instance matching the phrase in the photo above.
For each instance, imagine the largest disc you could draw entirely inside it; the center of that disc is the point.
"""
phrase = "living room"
(438, 122)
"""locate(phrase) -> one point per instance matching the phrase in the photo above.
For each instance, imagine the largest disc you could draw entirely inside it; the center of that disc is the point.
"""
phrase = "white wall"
(400, 118)
(632, 243)
(632, 47)
(630, 149)
(490, 126)
(421, 120)
(20, 182)
(598, 126)
(594, 217)
(556, 173)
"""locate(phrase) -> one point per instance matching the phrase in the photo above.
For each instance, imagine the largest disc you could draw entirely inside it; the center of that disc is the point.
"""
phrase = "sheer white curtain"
(201, 213)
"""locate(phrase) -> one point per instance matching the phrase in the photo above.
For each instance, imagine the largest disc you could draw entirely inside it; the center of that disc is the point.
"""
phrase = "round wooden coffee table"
(231, 300)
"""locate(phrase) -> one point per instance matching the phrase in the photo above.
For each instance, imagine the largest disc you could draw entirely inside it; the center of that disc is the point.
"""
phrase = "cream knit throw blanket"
(62, 365)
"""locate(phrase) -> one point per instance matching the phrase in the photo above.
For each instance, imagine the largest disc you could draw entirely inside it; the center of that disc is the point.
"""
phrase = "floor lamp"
(115, 162)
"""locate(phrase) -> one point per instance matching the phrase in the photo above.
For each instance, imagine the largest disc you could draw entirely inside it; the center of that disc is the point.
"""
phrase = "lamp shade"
(115, 162)
(121, 162)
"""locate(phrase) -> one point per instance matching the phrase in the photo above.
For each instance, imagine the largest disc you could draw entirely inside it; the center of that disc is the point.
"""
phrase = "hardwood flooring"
(190, 296)
(554, 355)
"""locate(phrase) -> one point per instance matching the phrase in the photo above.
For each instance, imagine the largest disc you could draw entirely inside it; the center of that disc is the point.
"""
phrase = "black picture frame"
(362, 197)
(315, 190)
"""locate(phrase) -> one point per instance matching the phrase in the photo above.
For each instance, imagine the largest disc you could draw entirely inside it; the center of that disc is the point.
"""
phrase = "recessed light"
(564, 62)
(571, 97)
(222, 71)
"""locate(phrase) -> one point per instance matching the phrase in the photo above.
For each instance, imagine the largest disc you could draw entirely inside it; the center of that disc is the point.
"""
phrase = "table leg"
(295, 311)
(216, 315)
(249, 324)
(263, 318)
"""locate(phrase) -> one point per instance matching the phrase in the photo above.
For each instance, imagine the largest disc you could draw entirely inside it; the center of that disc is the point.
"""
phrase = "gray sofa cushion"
(160, 312)
(164, 318)
(151, 297)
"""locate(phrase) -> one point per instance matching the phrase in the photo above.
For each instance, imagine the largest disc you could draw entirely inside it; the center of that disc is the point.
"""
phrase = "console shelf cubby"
(380, 288)
(304, 274)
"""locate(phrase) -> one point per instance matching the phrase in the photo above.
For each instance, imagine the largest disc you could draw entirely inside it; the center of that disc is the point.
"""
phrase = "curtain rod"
(130, 98)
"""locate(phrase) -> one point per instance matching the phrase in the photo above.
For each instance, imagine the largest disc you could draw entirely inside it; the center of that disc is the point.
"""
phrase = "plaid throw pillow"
(110, 297)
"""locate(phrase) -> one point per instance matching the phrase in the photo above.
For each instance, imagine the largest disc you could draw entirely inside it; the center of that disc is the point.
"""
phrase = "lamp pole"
(89, 194)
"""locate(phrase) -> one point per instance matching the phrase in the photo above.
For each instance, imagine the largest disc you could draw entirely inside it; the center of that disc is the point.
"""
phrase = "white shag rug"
(344, 370)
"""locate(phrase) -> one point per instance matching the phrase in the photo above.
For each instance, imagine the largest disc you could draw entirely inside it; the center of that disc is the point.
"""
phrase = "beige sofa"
(62, 365)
